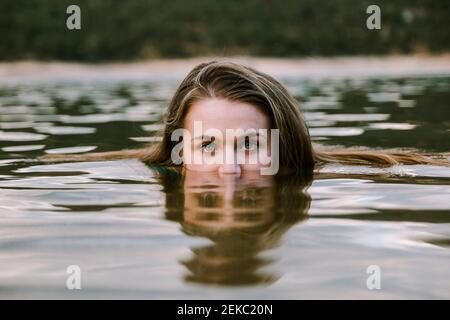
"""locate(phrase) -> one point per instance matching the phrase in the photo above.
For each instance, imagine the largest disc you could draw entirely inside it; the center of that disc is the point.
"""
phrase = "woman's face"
(221, 131)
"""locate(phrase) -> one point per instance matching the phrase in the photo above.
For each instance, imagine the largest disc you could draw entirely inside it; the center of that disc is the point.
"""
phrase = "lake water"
(135, 233)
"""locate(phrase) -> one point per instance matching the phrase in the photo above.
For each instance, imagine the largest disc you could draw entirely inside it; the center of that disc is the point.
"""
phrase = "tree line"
(143, 29)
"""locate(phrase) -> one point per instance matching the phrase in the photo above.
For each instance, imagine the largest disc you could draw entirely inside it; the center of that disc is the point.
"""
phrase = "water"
(138, 233)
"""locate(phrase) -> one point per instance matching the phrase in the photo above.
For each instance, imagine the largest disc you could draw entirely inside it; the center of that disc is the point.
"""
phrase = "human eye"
(208, 146)
(249, 145)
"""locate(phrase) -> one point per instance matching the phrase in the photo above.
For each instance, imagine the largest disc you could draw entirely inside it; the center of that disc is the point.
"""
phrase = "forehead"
(225, 114)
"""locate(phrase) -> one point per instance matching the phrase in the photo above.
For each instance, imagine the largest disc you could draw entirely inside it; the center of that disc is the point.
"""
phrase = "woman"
(225, 95)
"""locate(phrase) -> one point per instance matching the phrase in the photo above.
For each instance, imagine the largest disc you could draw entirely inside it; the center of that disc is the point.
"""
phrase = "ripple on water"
(128, 228)
(392, 126)
(65, 150)
(381, 97)
(21, 136)
(16, 125)
(350, 117)
(336, 131)
(64, 130)
(24, 148)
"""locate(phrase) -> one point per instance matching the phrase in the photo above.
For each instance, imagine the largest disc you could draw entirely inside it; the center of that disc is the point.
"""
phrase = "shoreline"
(314, 67)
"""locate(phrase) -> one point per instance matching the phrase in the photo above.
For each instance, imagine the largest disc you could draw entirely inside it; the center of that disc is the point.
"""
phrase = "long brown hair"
(235, 82)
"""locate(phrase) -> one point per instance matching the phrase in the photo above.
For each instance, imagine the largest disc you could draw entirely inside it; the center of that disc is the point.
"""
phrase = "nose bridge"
(230, 154)
(230, 163)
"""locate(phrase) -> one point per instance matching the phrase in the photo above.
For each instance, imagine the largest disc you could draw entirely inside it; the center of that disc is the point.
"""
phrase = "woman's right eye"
(208, 146)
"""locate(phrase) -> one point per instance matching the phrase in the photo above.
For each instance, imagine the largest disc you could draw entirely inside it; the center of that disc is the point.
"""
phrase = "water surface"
(138, 233)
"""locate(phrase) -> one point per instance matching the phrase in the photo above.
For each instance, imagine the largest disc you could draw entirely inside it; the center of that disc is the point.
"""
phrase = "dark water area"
(137, 232)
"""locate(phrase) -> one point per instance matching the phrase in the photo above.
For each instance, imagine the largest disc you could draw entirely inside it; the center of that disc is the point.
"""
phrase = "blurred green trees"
(139, 29)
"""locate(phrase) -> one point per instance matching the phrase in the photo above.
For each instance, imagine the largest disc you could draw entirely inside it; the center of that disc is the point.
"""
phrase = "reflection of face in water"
(229, 203)
(242, 216)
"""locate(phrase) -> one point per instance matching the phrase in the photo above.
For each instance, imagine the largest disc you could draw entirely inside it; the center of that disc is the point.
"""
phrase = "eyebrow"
(202, 137)
(206, 137)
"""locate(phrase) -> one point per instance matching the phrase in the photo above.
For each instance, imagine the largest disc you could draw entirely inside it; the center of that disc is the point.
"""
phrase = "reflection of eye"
(248, 198)
(208, 200)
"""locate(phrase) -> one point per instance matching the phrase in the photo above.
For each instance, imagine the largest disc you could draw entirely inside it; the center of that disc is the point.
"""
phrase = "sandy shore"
(341, 67)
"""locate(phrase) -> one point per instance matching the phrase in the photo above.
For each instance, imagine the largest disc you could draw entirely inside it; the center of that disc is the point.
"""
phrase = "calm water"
(139, 234)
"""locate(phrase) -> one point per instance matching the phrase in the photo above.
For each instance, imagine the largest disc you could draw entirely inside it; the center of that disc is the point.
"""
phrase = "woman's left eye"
(250, 145)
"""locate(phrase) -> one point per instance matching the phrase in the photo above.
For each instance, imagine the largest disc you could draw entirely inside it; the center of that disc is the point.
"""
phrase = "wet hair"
(239, 83)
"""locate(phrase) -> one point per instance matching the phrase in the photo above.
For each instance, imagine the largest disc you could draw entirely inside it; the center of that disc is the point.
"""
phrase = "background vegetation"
(140, 29)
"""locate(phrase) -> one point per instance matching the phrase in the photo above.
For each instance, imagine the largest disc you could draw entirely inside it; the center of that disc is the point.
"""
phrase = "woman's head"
(226, 95)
